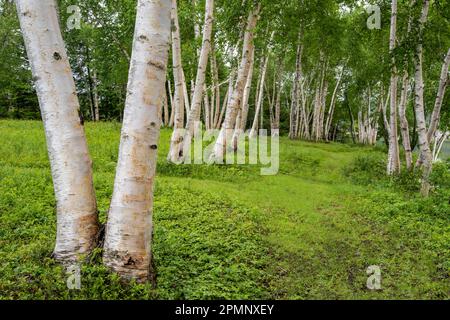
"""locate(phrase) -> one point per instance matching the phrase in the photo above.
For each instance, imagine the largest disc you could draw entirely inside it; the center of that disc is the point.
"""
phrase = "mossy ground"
(226, 232)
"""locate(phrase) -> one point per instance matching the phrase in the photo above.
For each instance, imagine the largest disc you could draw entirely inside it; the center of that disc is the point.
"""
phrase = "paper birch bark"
(127, 249)
(394, 155)
(176, 143)
(71, 165)
(295, 105)
(235, 101)
(419, 107)
(443, 83)
(404, 126)
(254, 130)
(247, 90)
(330, 115)
(199, 89)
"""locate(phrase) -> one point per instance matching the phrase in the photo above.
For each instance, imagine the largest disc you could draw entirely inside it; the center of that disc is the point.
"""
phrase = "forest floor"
(226, 232)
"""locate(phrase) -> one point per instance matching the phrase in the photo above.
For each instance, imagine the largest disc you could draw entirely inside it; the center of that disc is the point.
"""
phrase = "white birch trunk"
(235, 101)
(254, 130)
(247, 90)
(176, 142)
(71, 166)
(394, 155)
(128, 239)
(333, 105)
(196, 103)
(404, 122)
(444, 80)
(419, 107)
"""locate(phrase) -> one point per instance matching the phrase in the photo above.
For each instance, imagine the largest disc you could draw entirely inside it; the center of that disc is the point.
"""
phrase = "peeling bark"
(127, 249)
(71, 165)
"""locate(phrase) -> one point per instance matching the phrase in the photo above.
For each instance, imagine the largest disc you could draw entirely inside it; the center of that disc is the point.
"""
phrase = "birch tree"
(71, 166)
(127, 249)
(176, 142)
(419, 107)
(200, 86)
(394, 155)
(235, 102)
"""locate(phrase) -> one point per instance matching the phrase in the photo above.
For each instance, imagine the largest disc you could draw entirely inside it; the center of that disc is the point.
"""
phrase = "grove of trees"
(308, 69)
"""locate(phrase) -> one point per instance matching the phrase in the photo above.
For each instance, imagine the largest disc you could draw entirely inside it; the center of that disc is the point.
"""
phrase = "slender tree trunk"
(71, 165)
(172, 106)
(444, 80)
(333, 105)
(194, 114)
(296, 93)
(394, 155)
(176, 144)
(254, 130)
(235, 103)
(439, 143)
(404, 122)
(226, 101)
(276, 120)
(96, 99)
(247, 90)
(128, 239)
(424, 144)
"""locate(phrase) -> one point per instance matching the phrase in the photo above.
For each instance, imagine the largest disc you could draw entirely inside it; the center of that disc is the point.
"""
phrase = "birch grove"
(291, 68)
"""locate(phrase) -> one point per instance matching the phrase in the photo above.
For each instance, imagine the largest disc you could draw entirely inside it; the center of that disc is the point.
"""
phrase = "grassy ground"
(226, 232)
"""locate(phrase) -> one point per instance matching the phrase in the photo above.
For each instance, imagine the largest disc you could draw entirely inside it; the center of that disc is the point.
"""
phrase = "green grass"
(225, 232)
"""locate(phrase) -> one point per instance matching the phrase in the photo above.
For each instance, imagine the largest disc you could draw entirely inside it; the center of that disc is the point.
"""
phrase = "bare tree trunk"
(394, 155)
(247, 90)
(172, 106)
(254, 130)
(444, 80)
(333, 105)
(276, 120)
(176, 144)
(235, 103)
(128, 239)
(96, 100)
(422, 132)
(293, 129)
(404, 122)
(194, 114)
(71, 165)
(226, 101)
(439, 141)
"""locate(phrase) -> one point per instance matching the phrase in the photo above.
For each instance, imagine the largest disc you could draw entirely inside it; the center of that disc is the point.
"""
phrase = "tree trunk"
(439, 98)
(295, 105)
(71, 165)
(333, 105)
(254, 130)
(247, 90)
(394, 155)
(176, 144)
(96, 100)
(172, 106)
(128, 239)
(404, 122)
(235, 103)
(196, 103)
(422, 132)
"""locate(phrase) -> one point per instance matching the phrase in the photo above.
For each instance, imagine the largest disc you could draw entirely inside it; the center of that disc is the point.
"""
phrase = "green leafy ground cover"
(226, 232)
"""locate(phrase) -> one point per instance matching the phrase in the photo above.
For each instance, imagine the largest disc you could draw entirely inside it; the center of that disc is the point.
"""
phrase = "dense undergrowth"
(226, 232)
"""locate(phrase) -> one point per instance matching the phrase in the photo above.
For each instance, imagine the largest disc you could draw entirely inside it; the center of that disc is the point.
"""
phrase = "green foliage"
(226, 232)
